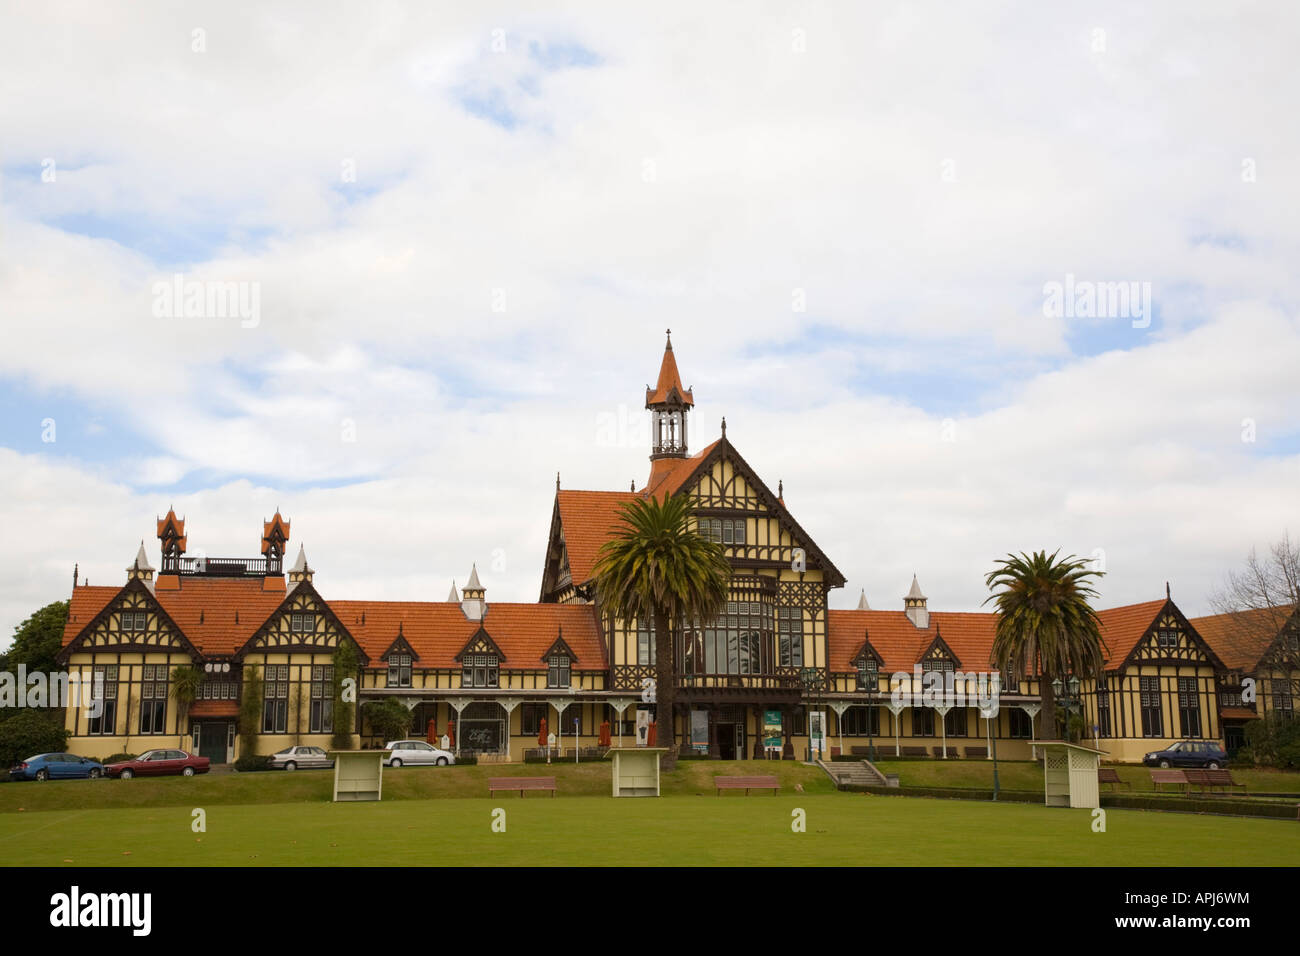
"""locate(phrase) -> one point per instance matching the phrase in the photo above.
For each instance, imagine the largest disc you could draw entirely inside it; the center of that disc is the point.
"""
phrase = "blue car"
(1189, 753)
(56, 767)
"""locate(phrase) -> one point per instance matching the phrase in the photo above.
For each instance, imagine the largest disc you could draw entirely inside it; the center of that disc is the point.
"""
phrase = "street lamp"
(1067, 701)
(995, 685)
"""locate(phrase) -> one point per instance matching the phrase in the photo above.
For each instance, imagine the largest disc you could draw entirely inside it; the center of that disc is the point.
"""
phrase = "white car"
(300, 758)
(416, 752)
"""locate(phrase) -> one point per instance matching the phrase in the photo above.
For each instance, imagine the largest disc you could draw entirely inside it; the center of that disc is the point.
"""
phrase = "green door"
(212, 740)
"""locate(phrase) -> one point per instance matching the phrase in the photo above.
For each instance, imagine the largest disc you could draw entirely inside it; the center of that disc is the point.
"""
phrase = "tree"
(186, 680)
(1262, 597)
(27, 733)
(250, 711)
(389, 718)
(656, 566)
(345, 667)
(1046, 623)
(38, 639)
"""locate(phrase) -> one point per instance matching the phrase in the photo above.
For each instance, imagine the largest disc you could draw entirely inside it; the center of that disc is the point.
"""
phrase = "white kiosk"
(358, 774)
(636, 771)
(1070, 774)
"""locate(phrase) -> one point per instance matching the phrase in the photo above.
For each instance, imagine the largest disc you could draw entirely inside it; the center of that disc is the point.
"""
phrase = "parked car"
(300, 758)
(56, 767)
(157, 763)
(1189, 753)
(416, 752)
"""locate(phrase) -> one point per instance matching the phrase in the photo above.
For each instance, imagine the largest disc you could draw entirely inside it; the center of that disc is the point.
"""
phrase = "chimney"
(473, 603)
(914, 606)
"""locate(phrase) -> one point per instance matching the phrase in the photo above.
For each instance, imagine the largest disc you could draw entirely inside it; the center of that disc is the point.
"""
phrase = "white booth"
(1070, 774)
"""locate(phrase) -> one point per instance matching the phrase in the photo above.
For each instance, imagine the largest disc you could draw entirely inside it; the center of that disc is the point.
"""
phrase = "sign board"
(700, 731)
(817, 732)
(642, 727)
(772, 729)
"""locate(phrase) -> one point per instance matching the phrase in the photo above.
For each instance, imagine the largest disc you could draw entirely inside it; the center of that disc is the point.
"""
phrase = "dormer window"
(480, 670)
(399, 670)
(558, 671)
(868, 673)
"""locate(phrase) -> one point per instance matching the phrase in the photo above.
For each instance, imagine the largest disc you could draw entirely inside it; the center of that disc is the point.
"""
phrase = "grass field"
(1026, 775)
(842, 829)
(442, 816)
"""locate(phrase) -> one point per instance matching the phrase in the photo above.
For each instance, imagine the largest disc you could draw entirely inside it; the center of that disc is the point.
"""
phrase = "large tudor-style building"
(747, 681)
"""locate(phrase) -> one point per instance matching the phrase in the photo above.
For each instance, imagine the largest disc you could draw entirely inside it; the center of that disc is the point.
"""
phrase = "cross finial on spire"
(669, 333)
(724, 426)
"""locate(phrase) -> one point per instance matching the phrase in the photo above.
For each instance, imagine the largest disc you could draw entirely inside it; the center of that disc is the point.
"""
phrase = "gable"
(481, 643)
(301, 622)
(1169, 638)
(129, 618)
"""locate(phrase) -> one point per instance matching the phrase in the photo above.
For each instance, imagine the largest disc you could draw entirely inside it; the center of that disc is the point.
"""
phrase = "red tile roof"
(438, 631)
(588, 519)
(1241, 638)
(86, 602)
(669, 380)
(1238, 713)
(231, 609)
(667, 475)
(1123, 627)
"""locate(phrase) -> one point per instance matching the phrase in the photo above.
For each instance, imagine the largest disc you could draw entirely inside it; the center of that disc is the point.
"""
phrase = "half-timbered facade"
(489, 675)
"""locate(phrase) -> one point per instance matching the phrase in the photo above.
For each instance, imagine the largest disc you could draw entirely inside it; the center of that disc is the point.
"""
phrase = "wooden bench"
(1177, 778)
(1111, 776)
(860, 751)
(521, 784)
(746, 783)
(1212, 780)
(913, 752)
(977, 751)
(944, 752)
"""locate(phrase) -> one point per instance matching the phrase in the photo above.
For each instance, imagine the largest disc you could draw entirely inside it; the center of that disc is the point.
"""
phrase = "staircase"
(859, 773)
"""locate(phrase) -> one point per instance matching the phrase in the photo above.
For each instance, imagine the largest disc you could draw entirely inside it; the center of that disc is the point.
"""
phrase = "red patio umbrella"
(653, 735)
(451, 734)
(604, 734)
(432, 736)
(541, 733)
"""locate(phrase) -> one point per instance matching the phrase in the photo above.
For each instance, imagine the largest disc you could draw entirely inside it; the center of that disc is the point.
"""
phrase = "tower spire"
(668, 402)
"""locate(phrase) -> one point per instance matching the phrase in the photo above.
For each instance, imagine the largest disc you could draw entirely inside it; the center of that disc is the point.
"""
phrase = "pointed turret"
(669, 404)
(862, 601)
(301, 570)
(473, 597)
(140, 568)
(453, 597)
(914, 604)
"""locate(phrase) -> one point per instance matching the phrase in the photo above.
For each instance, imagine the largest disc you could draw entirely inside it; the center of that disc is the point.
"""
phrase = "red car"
(156, 763)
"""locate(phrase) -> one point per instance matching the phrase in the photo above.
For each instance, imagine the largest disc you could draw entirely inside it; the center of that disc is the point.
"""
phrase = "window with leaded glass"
(1166, 637)
(399, 670)
(275, 699)
(479, 670)
(645, 641)
(868, 673)
(103, 697)
(153, 698)
(302, 623)
(558, 671)
(723, 530)
(1283, 701)
(789, 631)
(1189, 707)
(861, 722)
(1149, 700)
(134, 620)
(1103, 712)
(322, 699)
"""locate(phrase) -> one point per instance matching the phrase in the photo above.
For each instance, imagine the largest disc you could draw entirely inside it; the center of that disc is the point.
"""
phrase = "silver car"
(416, 752)
(300, 758)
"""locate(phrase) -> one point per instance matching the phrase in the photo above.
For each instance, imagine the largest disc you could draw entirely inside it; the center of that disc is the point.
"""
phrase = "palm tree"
(187, 680)
(1045, 620)
(656, 566)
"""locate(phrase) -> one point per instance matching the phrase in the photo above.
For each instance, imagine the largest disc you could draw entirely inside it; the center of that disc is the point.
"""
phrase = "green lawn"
(1027, 775)
(842, 829)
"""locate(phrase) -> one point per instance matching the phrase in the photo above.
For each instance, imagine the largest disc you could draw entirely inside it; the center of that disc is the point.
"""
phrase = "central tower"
(668, 403)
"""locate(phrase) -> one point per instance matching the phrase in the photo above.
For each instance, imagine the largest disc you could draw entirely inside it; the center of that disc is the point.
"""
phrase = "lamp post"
(1066, 700)
(996, 709)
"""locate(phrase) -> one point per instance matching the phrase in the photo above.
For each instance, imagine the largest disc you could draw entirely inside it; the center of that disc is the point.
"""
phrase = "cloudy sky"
(460, 231)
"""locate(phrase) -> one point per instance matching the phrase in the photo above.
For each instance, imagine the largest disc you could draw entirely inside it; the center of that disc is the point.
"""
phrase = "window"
(1149, 695)
(723, 530)
(1166, 637)
(1009, 683)
(322, 699)
(1021, 725)
(733, 643)
(1231, 698)
(304, 623)
(530, 718)
(479, 670)
(153, 698)
(1103, 712)
(861, 722)
(134, 620)
(955, 723)
(1189, 707)
(557, 671)
(868, 673)
(222, 688)
(922, 722)
(275, 700)
(789, 630)
(571, 713)
(103, 696)
(399, 670)
(1283, 702)
(645, 641)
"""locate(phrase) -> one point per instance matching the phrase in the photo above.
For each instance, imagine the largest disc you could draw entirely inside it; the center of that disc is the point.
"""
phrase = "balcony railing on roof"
(222, 567)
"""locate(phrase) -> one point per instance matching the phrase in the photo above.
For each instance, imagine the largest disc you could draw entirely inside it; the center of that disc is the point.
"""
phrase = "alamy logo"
(74, 908)
(1084, 299)
(934, 688)
(208, 299)
(39, 690)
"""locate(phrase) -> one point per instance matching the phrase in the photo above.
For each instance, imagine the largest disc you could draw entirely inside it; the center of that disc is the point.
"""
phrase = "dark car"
(1189, 753)
(56, 767)
(157, 763)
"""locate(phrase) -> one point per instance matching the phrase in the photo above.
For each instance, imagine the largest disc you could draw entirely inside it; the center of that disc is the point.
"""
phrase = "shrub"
(388, 718)
(118, 758)
(30, 732)
(1274, 741)
(250, 710)
(345, 667)
(251, 763)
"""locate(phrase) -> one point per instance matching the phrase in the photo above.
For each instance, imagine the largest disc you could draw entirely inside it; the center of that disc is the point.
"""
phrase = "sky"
(454, 236)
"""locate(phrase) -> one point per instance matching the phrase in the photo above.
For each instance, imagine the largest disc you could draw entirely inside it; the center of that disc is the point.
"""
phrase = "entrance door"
(212, 740)
(727, 741)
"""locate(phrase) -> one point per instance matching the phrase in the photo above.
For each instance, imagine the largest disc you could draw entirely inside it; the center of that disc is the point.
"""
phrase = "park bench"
(746, 783)
(1111, 776)
(941, 751)
(913, 752)
(977, 751)
(1212, 780)
(860, 751)
(521, 784)
(1177, 778)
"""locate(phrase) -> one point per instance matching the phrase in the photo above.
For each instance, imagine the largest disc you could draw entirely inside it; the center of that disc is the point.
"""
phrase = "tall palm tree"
(656, 566)
(1045, 620)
